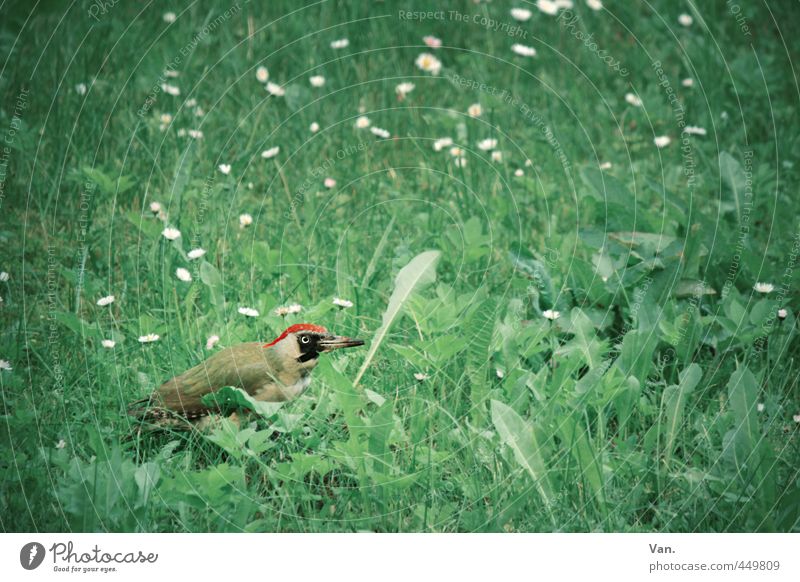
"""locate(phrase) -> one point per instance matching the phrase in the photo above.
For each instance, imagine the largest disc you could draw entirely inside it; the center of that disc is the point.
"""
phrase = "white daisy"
(211, 341)
(248, 311)
(497, 156)
(191, 102)
(271, 152)
(521, 14)
(382, 133)
(195, 134)
(487, 144)
(475, 110)
(524, 51)
(61, 444)
(165, 119)
(80, 89)
(225, 168)
(170, 233)
(5, 365)
(594, 4)
(760, 407)
(519, 173)
(245, 220)
(404, 89)
(662, 141)
(169, 17)
(149, 338)
(441, 143)
(688, 82)
(170, 89)
(460, 162)
(329, 183)
(108, 344)
(314, 127)
(342, 303)
(420, 377)
(551, 314)
(547, 6)
(196, 253)
(500, 373)
(456, 151)
(275, 89)
(295, 308)
(155, 207)
(171, 74)
(363, 122)
(782, 313)
(317, 81)
(685, 20)
(694, 130)
(4, 276)
(432, 41)
(340, 44)
(262, 74)
(605, 166)
(107, 300)
(429, 63)
(796, 418)
(633, 99)
(198, 112)
(183, 274)
(281, 311)
(764, 287)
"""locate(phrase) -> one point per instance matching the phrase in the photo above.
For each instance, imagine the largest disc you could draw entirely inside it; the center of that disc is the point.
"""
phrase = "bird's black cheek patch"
(310, 350)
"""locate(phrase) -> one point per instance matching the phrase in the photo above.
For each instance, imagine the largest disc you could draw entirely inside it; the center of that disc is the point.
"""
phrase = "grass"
(661, 399)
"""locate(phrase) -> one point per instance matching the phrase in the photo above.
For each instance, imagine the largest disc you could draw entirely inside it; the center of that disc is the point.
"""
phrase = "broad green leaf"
(418, 273)
(521, 439)
(674, 401)
(230, 397)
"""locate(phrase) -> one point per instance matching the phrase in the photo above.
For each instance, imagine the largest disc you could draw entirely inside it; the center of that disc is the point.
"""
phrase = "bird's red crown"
(294, 329)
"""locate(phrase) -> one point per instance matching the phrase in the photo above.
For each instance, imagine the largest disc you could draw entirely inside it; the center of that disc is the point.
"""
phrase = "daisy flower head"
(500, 373)
(633, 100)
(170, 233)
(340, 44)
(248, 311)
(224, 168)
(149, 338)
(195, 134)
(521, 14)
(429, 63)
(487, 144)
(4, 276)
(548, 7)
(432, 41)
(295, 308)
(314, 127)
(211, 342)
(271, 152)
(605, 166)
(441, 143)
(475, 110)
(5, 365)
(782, 314)
(796, 418)
(317, 81)
(196, 253)
(363, 122)
(519, 173)
(461, 162)
(262, 74)
(760, 407)
(694, 130)
(165, 119)
(245, 220)
(497, 156)
(183, 274)
(662, 141)
(688, 82)
(330, 183)
(685, 20)
(551, 314)
(61, 444)
(170, 89)
(379, 132)
(594, 4)
(80, 89)
(764, 287)
(523, 51)
(404, 89)
(107, 300)
(456, 151)
(108, 344)
(420, 377)
(275, 90)
(169, 17)
(342, 303)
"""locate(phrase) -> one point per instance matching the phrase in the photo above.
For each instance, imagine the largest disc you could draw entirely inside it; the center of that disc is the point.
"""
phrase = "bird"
(277, 371)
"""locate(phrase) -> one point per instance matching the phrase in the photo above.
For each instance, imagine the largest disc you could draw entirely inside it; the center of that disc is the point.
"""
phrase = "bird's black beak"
(335, 342)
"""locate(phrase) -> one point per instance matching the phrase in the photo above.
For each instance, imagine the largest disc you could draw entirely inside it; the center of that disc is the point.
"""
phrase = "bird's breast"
(274, 392)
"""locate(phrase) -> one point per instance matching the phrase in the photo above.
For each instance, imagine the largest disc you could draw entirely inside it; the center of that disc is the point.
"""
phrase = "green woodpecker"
(273, 372)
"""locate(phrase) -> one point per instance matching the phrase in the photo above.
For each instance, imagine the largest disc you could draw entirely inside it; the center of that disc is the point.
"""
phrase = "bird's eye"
(305, 339)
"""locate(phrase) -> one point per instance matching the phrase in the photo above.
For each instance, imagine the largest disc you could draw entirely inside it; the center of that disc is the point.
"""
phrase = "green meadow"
(568, 235)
